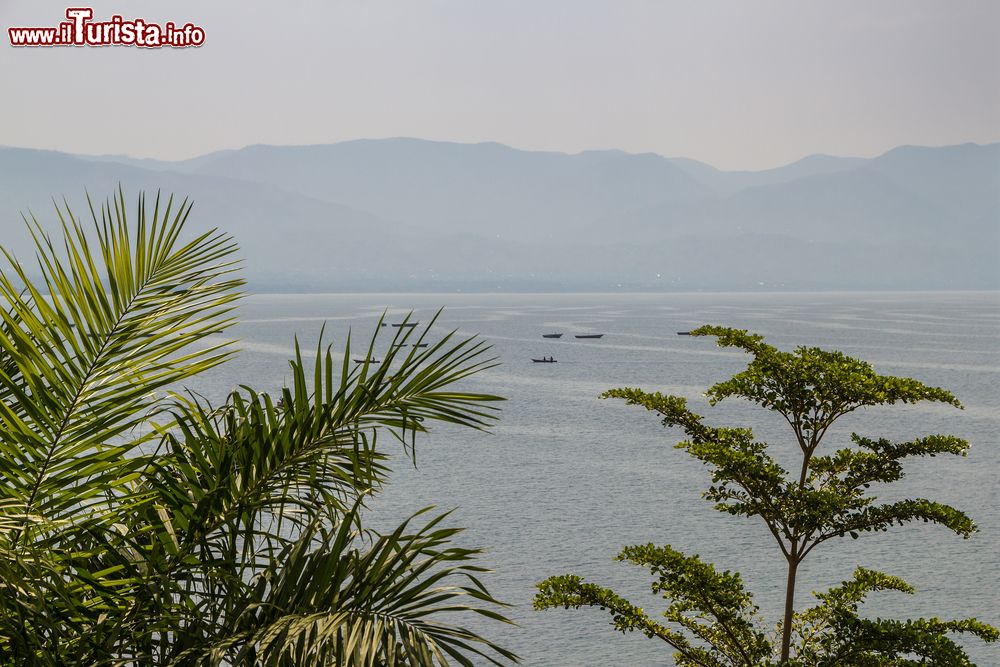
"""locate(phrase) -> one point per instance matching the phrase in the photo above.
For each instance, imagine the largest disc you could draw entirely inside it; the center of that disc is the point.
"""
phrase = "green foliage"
(716, 617)
(828, 497)
(142, 527)
(811, 387)
(831, 633)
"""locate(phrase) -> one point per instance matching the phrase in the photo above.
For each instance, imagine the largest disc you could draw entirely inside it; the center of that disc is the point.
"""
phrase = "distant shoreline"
(721, 292)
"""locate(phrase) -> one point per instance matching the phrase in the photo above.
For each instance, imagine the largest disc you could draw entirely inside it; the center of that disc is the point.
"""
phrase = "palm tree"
(143, 526)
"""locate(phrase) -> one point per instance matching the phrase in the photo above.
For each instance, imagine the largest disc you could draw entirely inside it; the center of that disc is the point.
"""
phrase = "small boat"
(420, 345)
(552, 335)
(683, 333)
(367, 361)
(545, 360)
(588, 335)
(405, 324)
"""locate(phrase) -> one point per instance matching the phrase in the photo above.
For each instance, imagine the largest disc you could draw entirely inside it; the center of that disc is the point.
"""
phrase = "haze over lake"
(565, 480)
(414, 215)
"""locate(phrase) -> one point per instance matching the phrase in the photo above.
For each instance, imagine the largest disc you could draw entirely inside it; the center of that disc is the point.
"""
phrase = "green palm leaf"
(247, 482)
(138, 526)
(85, 350)
(328, 599)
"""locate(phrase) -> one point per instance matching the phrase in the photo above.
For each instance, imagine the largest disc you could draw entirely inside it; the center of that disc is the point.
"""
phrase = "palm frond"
(327, 600)
(138, 528)
(242, 484)
(85, 349)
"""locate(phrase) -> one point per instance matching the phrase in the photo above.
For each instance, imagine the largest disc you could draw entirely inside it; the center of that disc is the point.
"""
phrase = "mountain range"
(409, 214)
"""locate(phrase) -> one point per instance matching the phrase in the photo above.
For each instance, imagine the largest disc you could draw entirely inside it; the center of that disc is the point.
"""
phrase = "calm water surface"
(565, 480)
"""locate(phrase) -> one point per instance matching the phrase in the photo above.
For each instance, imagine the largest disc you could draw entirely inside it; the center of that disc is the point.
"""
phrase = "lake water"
(565, 480)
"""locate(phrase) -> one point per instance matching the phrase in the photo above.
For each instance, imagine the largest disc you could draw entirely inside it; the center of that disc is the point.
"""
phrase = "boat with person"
(367, 361)
(545, 360)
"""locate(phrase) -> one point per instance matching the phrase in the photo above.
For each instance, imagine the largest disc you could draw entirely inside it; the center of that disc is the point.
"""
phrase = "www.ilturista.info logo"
(80, 30)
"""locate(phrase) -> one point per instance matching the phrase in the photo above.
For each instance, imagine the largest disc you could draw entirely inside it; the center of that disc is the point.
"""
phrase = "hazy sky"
(740, 84)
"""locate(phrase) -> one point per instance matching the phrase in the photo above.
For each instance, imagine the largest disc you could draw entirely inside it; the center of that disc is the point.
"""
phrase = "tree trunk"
(786, 627)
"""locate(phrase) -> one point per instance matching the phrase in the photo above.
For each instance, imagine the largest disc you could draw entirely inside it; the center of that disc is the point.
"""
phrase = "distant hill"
(476, 188)
(408, 214)
(731, 182)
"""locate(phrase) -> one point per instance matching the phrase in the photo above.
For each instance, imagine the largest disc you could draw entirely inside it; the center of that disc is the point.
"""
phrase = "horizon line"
(119, 156)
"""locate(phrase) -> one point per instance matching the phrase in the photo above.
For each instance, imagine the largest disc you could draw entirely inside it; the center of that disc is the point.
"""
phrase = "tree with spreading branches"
(712, 620)
(142, 526)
